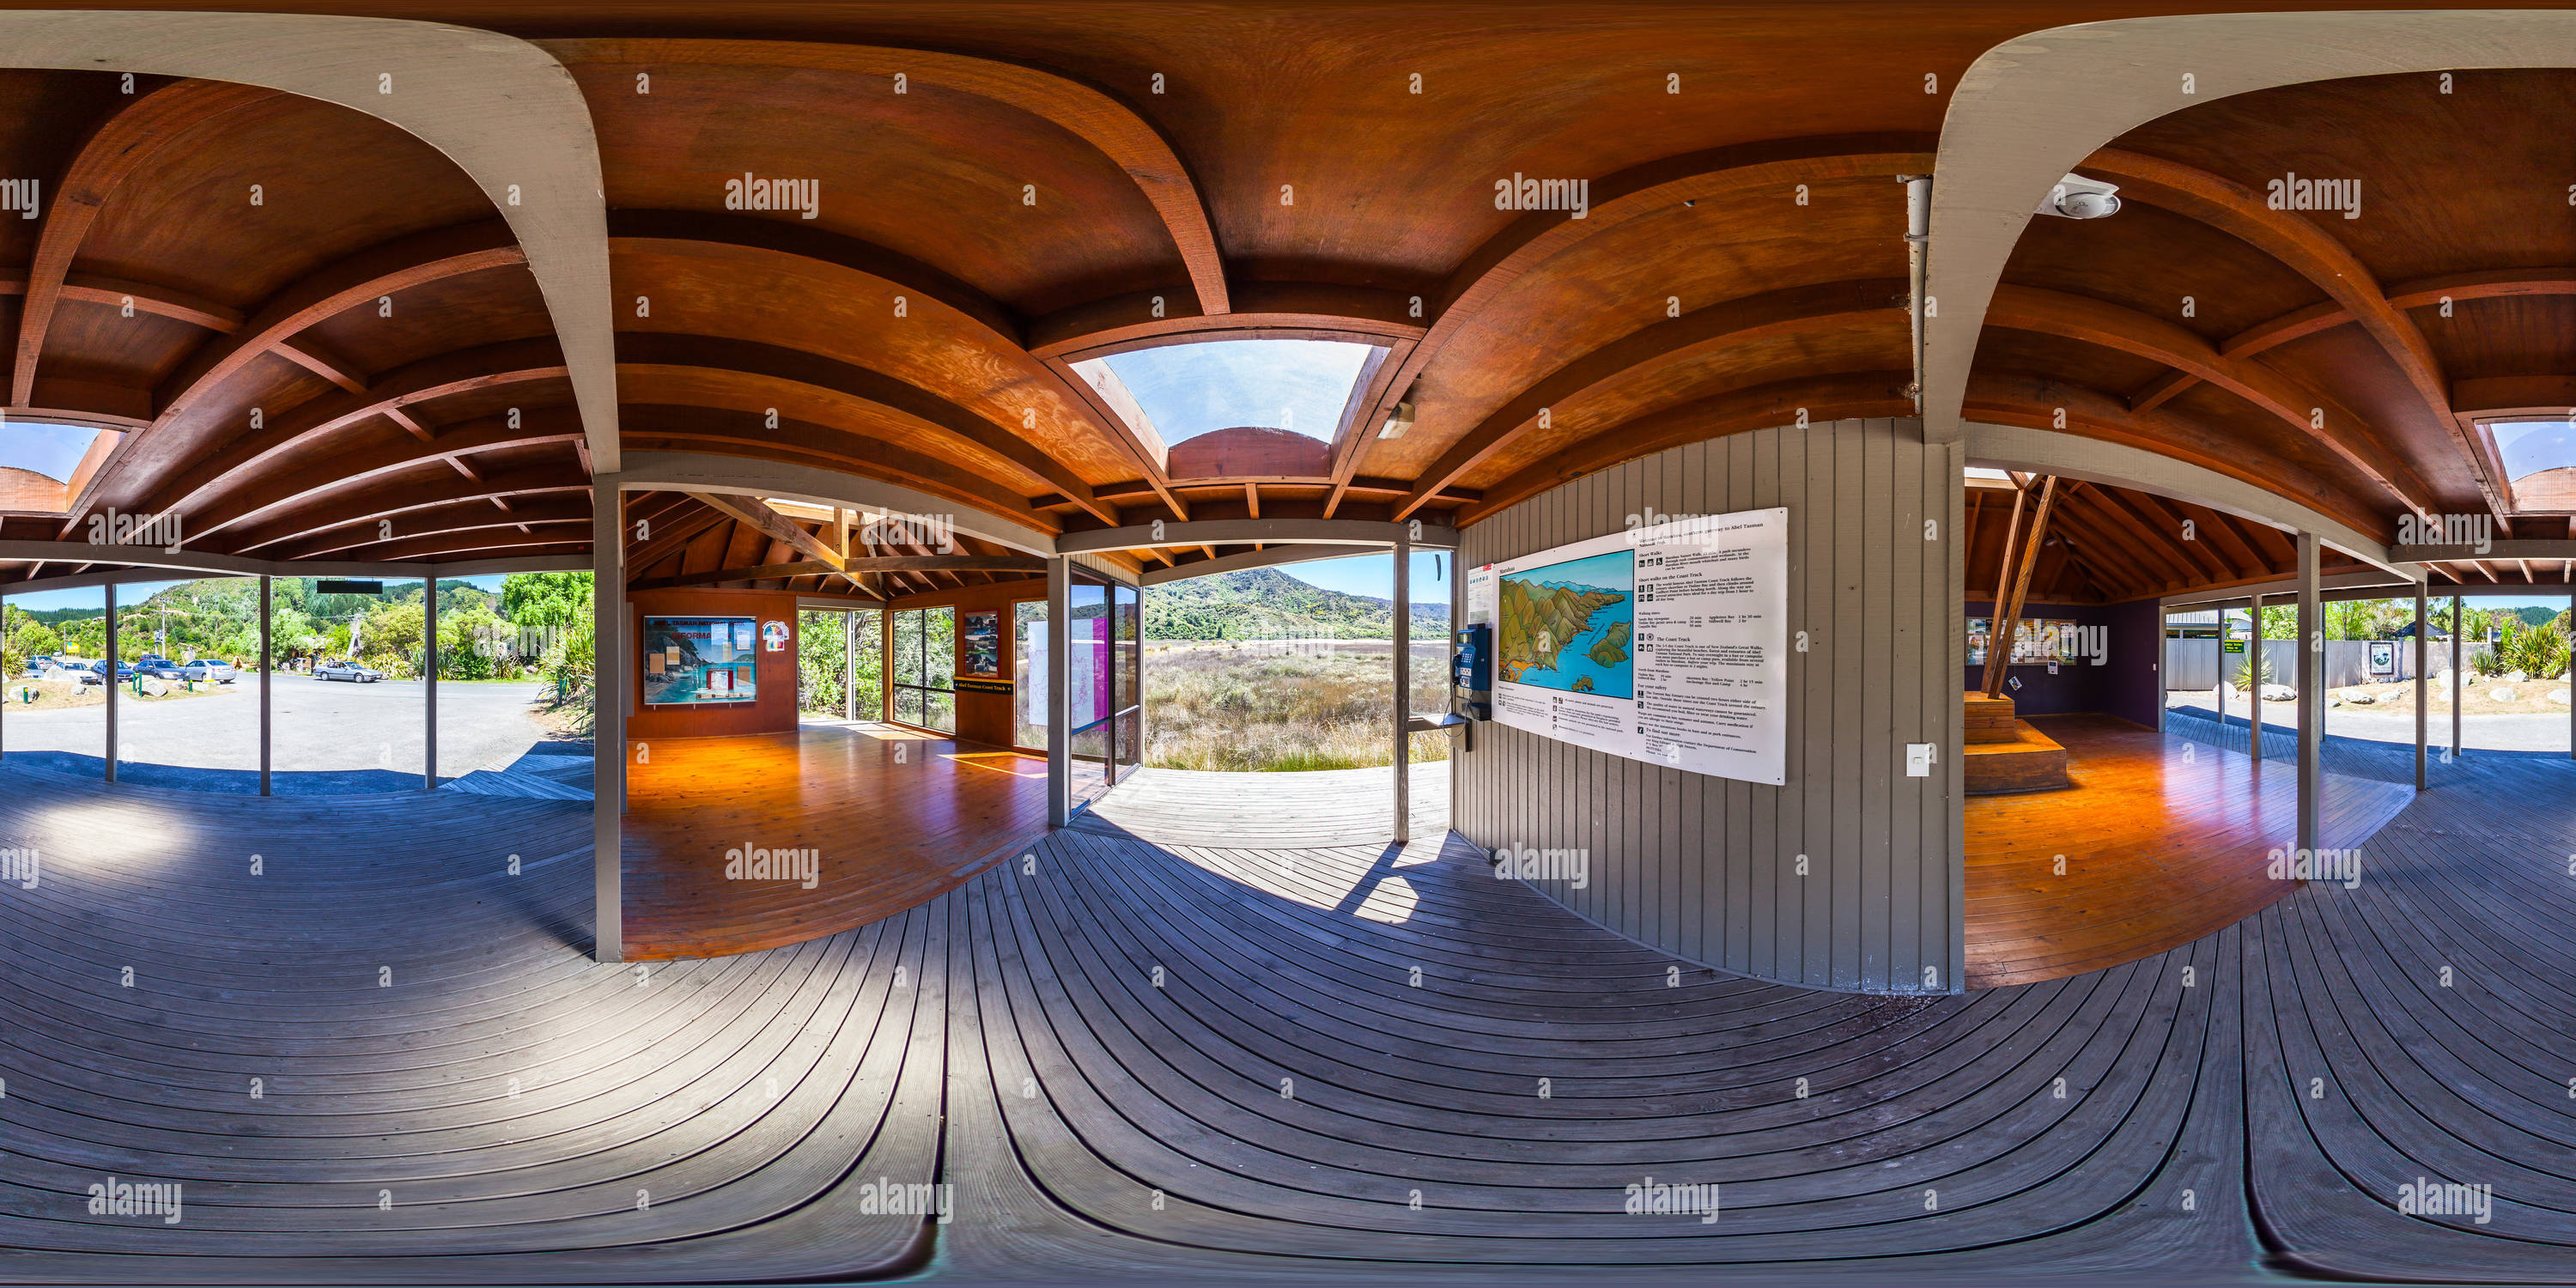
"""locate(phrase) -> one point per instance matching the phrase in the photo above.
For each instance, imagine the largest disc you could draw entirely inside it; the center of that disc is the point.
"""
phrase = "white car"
(342, 669)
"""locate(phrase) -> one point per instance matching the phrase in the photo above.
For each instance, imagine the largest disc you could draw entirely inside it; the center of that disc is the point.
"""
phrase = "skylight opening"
(41, 464)
(2539, 459)
(1185, 390)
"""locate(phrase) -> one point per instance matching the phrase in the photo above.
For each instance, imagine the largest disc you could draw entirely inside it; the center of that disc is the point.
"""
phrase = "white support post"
(850, 652)
(2459, 673)
(2254, 684)
(1402, 616)
(2421, 653)
(608, 717)
(267, 662)
(429, 683)
(107, 680)
(2312, 707)
(1059, 691)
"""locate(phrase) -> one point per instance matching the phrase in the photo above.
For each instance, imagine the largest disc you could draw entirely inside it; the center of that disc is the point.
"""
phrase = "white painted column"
(2459, 673)
(267, 656)
(2571, 677)
(2312, 706)
(608, 717)
(1403, 623)
(1059, 692)
(429, 683)
(108, 681)
(2422, 651)
(2254, 683)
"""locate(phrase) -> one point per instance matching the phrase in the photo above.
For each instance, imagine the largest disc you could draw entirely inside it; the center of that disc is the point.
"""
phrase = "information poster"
(694, 660)
(1666, 643)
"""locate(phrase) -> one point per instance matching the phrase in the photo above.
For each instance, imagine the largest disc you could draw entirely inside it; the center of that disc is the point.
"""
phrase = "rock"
(2359, 698)
(2559, 697)
(2514, 677)
(2442, 679)
(2502, 695)
(2334, 699)
(2279, 693)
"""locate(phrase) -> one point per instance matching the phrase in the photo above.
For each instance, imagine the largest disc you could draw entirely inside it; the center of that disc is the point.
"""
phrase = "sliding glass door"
(925, 668)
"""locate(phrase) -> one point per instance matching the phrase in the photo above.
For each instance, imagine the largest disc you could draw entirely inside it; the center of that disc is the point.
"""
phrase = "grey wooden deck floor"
(1154, 1048)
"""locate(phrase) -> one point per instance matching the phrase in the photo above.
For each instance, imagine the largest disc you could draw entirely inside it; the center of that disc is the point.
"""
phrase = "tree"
(545, 598)
(462, 649)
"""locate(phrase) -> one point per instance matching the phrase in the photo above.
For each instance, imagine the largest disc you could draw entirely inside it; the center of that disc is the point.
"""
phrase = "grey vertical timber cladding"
(1706, 868)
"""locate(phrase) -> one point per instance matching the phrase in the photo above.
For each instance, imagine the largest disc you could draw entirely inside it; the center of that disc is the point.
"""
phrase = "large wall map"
(1666, 643)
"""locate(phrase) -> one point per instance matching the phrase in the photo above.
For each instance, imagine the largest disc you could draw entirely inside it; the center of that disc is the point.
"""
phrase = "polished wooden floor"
(1143, 1058)
(893, 816)
(2164, 840)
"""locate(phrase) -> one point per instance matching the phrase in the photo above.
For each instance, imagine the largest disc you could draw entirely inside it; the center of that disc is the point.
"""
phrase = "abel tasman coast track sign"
(1666, 643)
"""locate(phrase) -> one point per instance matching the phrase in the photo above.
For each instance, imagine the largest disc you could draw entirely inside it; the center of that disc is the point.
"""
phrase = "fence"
(2194, 664)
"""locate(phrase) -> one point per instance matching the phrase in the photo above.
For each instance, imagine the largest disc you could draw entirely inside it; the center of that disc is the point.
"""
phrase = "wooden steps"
(2030, 762)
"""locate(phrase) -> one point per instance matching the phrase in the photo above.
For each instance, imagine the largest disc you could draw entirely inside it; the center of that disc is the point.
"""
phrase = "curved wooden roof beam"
(739, 432)
(385, 499)
(1089, 113)
(644, 353)
(284, 488)
(2112, 326)
(1857, 394)
(2299, 243)
(379, 270)
(1799, 310)
(1535, 238)
(2033, 403)
(872, 267)
(2414, 293)
(159, 301)
(299, 429)
(346, 537)
(117, 146)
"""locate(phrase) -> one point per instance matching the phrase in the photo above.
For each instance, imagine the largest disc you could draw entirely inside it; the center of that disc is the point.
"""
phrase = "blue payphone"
(1471, 670)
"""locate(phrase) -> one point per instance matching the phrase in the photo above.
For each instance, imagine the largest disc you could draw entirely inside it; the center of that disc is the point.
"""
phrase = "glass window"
(925, 668)
(1029, 674)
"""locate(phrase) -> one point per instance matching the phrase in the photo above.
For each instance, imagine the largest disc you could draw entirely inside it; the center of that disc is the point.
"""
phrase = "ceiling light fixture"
(2076, 197)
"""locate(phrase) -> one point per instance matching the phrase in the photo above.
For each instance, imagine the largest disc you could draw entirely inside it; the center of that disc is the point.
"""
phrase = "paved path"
(328, 736)
(2539, 731)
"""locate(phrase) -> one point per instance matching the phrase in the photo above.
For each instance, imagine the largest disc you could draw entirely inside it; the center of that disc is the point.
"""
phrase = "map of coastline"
(1568, 626)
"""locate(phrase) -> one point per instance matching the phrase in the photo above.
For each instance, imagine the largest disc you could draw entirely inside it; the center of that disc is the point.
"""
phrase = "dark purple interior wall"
(2125, 685)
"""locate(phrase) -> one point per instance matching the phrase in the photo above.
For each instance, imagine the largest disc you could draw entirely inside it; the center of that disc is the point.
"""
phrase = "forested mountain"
(1265, 603)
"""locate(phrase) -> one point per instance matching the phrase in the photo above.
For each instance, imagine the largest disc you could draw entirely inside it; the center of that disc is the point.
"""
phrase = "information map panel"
(693, 660)
(1666, 643)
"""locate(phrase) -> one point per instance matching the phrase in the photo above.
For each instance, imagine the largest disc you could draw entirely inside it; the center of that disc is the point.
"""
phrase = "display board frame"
(723, 650)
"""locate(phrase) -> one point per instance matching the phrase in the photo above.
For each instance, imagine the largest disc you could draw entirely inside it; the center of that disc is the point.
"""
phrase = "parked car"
(208, 669)
(156, 665)
(343, 669)
(40, 663)
(96, 672)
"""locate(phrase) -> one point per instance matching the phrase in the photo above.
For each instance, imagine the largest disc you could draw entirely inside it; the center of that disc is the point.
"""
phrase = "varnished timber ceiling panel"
(1051, 172)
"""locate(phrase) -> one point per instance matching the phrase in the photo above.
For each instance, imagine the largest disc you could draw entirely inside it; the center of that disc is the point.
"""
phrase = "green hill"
(1265, 603)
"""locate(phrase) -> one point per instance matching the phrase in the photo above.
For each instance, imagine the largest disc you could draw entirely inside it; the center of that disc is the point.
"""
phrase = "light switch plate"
(1918, 760)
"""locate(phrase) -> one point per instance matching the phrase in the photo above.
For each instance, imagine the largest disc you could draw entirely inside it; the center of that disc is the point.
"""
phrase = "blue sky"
(1374, 576)
(1189, 389)
(2531, 446)
(50, 450)
(137, 592)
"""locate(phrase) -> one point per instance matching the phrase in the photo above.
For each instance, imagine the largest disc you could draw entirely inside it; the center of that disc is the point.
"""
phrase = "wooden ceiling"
(358, 364)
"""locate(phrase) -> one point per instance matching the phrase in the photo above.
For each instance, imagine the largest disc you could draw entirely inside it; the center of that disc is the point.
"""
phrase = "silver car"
(342, 669)
(207, 669)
